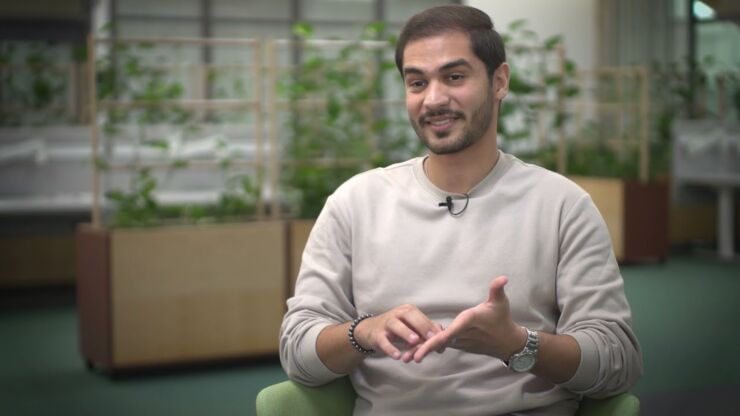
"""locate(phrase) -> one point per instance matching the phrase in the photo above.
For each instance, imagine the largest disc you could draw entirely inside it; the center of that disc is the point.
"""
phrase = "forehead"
(430, 53)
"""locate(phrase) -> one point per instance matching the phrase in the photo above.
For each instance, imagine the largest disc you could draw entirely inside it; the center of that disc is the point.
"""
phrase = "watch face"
(523, 363)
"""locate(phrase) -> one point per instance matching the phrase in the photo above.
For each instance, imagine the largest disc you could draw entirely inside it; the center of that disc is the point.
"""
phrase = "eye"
(456, 77)
(415, 84)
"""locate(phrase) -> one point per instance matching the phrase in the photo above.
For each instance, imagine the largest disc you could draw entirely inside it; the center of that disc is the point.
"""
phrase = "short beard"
(479, 124)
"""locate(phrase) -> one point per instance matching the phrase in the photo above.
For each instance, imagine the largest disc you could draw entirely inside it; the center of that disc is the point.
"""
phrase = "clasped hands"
(486, 328)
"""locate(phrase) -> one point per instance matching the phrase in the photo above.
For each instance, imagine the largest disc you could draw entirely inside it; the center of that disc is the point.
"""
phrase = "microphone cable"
(449, 204)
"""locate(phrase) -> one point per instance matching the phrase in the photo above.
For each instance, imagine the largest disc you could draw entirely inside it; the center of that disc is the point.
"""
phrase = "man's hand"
(405, 323)
(484, 329)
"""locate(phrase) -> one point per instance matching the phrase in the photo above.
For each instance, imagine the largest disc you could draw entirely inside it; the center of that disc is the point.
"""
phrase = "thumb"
(496, 292)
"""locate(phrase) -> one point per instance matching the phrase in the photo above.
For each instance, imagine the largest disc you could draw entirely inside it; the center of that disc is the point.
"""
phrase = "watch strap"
(531, 348)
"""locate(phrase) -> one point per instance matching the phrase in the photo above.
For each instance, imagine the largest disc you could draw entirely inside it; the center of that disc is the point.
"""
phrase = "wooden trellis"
(254, 51)
(276, 104)
(628, 102)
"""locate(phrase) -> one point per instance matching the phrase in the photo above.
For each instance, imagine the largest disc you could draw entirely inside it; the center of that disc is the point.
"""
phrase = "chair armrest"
(338, 398)
(290, 399)
(625, 404)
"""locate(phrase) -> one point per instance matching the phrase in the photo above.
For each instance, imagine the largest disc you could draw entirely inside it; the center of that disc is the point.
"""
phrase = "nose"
(436, 96)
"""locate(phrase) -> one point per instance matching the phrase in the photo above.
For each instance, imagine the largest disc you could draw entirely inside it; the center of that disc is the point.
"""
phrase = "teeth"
(440, 122)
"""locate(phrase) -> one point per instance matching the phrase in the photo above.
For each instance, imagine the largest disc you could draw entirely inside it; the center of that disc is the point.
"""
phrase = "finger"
(437, 343)
(441, 350)
(409, 355)
(385, 345)
(496, 292)
(420, 324)
(399, 329)
(442, 339)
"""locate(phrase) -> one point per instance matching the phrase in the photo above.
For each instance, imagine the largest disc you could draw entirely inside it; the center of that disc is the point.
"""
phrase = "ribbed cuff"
(588, 368)
(313, 364)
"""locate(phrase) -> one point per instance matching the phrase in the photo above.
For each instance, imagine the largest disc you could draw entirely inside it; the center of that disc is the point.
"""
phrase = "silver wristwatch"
(525, 359)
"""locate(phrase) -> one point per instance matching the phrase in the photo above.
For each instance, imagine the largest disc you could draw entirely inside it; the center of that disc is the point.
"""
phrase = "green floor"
(687, 317)
(686, 314)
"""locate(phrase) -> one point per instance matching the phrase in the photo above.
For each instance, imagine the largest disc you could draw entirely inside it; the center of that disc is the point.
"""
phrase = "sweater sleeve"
(323, 296)
(593, 306)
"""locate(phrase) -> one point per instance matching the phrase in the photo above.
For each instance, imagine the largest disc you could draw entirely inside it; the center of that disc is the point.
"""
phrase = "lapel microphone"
(449, 204)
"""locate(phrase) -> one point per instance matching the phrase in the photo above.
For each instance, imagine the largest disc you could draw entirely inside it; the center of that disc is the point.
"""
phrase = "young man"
(504, 269)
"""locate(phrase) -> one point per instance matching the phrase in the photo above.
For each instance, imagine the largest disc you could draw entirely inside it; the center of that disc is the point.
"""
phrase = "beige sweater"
(382, 241)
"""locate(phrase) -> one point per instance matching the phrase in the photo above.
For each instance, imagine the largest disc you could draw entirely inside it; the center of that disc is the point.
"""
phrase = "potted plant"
(37, 82)
(163, 283)
(609, 156)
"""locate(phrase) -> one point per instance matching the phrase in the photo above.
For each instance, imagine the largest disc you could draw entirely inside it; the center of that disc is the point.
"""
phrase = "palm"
(482, 329)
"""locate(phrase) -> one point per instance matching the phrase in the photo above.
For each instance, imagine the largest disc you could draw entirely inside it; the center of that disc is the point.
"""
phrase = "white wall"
(575, 20)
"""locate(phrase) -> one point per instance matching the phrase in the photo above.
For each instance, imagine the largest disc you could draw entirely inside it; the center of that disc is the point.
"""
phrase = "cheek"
(413, 105)
(471, 100)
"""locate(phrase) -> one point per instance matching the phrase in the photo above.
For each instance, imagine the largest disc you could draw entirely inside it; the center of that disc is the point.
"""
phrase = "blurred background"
(161, 164)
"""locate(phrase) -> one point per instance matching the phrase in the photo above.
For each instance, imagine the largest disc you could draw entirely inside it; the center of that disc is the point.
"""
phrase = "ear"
(501, 81)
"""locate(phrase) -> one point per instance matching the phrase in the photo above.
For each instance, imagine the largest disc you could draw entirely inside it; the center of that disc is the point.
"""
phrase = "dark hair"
(485, 42)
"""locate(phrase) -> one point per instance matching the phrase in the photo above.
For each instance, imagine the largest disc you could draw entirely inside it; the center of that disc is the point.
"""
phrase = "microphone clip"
(450, 206)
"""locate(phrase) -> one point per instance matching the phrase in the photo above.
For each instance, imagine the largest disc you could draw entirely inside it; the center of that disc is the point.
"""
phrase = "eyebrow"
(448, 65)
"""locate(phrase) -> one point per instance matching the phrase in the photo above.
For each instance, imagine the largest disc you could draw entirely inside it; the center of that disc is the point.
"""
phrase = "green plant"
(337, 128)
(537, 83)
(589, 158)
(129, 76)
(136, 207)
(32, 84)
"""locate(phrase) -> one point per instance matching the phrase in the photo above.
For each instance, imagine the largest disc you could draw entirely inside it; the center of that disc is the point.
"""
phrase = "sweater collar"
(481, 188)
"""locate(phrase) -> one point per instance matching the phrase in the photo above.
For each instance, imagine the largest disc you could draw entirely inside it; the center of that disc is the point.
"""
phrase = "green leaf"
(551, 42)
(517, 24)
(101, 163)
(132, 66)
(529, 34)
(333, 108)
(388, 65)
(520, 86)
(79, 54)
(117, 196)
(560, 119)
(303, 30)
(179, 164)
(158, 144)
(380, 125)
(374, 30)
(313, 64)
(552, 79)
(107, 27)
(571, 91)
(570, 67)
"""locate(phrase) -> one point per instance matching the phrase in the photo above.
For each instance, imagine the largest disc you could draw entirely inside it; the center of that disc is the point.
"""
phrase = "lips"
(441, 126)
(440, 121)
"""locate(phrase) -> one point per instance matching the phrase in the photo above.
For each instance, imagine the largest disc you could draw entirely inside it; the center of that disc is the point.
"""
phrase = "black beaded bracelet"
(351, 334)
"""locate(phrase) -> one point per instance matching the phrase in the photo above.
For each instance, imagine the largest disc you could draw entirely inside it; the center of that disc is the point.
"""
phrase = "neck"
(459, 172)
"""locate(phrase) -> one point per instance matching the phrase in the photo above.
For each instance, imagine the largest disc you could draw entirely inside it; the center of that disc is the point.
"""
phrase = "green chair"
(338, 398)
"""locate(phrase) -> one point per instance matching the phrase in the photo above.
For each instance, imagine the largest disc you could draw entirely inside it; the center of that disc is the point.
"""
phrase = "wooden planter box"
(37, 260)
(636, 214)
(169, 295)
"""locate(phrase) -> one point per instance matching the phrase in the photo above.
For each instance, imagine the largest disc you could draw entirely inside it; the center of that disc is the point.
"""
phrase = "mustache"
(441, 112)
